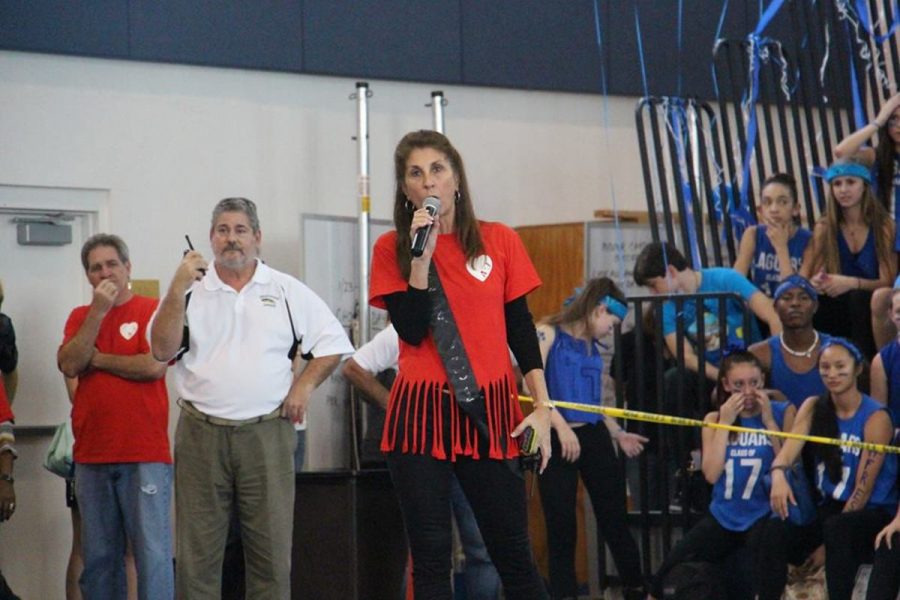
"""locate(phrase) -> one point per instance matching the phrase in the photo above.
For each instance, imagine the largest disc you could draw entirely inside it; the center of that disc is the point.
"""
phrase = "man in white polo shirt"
(236, 324)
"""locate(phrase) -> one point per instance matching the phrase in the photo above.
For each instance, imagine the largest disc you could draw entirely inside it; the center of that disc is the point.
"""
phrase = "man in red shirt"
(123, 464)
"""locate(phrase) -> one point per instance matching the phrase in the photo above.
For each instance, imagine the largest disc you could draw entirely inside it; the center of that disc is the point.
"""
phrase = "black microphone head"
(432, 204)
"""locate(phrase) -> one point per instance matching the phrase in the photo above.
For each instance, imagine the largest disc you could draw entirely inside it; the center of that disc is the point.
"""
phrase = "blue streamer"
(640, 46)
(620, 242)
(859, 116)
(677, 116)
(862, 13)
(680, 35)
(756, 40)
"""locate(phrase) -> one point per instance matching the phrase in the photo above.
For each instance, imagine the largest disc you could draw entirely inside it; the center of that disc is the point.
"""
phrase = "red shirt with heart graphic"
(477, 291)
(116, 419)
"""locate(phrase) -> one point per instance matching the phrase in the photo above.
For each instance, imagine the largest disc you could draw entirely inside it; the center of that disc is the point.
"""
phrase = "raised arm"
(74, 357)
(854, 142)
(168, 326)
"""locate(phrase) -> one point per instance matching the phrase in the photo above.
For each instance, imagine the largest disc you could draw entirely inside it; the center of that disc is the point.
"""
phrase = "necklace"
(801, 353)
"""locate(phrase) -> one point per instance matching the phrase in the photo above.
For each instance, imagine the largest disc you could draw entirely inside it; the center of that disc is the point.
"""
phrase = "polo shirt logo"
(269, 301)
(127, 330)
(480, 267)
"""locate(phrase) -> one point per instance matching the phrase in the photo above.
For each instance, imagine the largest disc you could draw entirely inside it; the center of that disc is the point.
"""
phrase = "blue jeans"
(120, 501)
(482, 579)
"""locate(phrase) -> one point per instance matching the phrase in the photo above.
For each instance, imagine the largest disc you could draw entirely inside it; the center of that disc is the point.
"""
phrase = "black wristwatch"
(7, 477)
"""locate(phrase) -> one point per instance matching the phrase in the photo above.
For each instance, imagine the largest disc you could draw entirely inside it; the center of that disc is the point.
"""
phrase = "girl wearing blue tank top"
(582, 442)
(857, 487)
(885, 161)
(852, 255)
(776, 247)
(735, 464)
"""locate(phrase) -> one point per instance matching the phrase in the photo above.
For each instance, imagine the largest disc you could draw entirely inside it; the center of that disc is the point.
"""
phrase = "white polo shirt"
(237, 366)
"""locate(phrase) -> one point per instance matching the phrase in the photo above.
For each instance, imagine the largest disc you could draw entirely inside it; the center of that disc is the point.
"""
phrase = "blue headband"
(848, 170)
(615, 307)
(795, 281)
(839, 341)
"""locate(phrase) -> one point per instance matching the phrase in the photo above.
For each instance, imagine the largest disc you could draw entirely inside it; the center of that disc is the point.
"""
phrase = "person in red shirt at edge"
(466, 314)
(120, 415)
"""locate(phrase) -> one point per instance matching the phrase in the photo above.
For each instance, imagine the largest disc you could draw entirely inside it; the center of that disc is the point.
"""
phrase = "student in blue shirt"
(776, 247)
(792, 357)
(852, 255)
(584, 442)
(857, 487)
(662, 268)
(735, 464)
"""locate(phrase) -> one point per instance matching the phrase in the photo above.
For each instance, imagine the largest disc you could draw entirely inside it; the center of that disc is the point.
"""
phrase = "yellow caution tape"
(623, 413)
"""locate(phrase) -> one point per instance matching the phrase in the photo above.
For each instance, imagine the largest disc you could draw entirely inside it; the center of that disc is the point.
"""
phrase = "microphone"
(433, 206)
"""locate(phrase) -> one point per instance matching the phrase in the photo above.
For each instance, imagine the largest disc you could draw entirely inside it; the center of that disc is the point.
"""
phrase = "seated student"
(733, 463)
(791, 358)
(852, 255)
(858, 487)
(663, 269)
(885, 373)
(885, 127)
(776, 247)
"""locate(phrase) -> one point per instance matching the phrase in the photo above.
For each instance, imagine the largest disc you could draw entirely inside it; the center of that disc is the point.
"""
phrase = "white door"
(42, 284)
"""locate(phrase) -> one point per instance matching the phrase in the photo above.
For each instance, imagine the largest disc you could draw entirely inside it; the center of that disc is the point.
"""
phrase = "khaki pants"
(220, 468)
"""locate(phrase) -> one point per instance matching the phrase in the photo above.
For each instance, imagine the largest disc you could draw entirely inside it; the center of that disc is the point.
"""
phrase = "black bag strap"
(453, 354)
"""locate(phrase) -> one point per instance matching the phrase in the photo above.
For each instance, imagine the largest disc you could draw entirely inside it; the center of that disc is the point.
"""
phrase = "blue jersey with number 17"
(739, 498)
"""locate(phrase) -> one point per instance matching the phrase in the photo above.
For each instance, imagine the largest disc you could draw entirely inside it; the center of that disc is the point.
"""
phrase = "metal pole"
(438, 102)
(362, 143)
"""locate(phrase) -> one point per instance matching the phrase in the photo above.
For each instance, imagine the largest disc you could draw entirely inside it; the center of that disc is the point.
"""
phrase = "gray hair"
(237, 205)
(104, 239)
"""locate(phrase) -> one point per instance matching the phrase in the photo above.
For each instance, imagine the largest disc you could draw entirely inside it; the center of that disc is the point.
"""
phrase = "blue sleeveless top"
(739, 498)
(764, 271)
(796, 386)
(884, 493)
(863, 264)
(890, 358)
(574, 372)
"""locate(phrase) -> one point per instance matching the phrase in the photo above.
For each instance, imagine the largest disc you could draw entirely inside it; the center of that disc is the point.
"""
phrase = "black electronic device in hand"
(191, 249)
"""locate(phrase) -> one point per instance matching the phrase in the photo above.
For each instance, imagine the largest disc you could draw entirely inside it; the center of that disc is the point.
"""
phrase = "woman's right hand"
(781, 494)
(730, 409)
(421, 218)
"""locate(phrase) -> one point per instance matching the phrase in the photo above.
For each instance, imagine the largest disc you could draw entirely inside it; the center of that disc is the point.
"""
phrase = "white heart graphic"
(128, 330)
(480, 267)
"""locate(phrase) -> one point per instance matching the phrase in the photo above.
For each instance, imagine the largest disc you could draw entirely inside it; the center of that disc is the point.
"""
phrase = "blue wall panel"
(534, 44)
(87, 28)
(262, 34)
(392, 39)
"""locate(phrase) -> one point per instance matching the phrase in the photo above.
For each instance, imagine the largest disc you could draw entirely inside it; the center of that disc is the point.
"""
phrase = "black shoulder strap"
(186, 332)
(292, 353)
